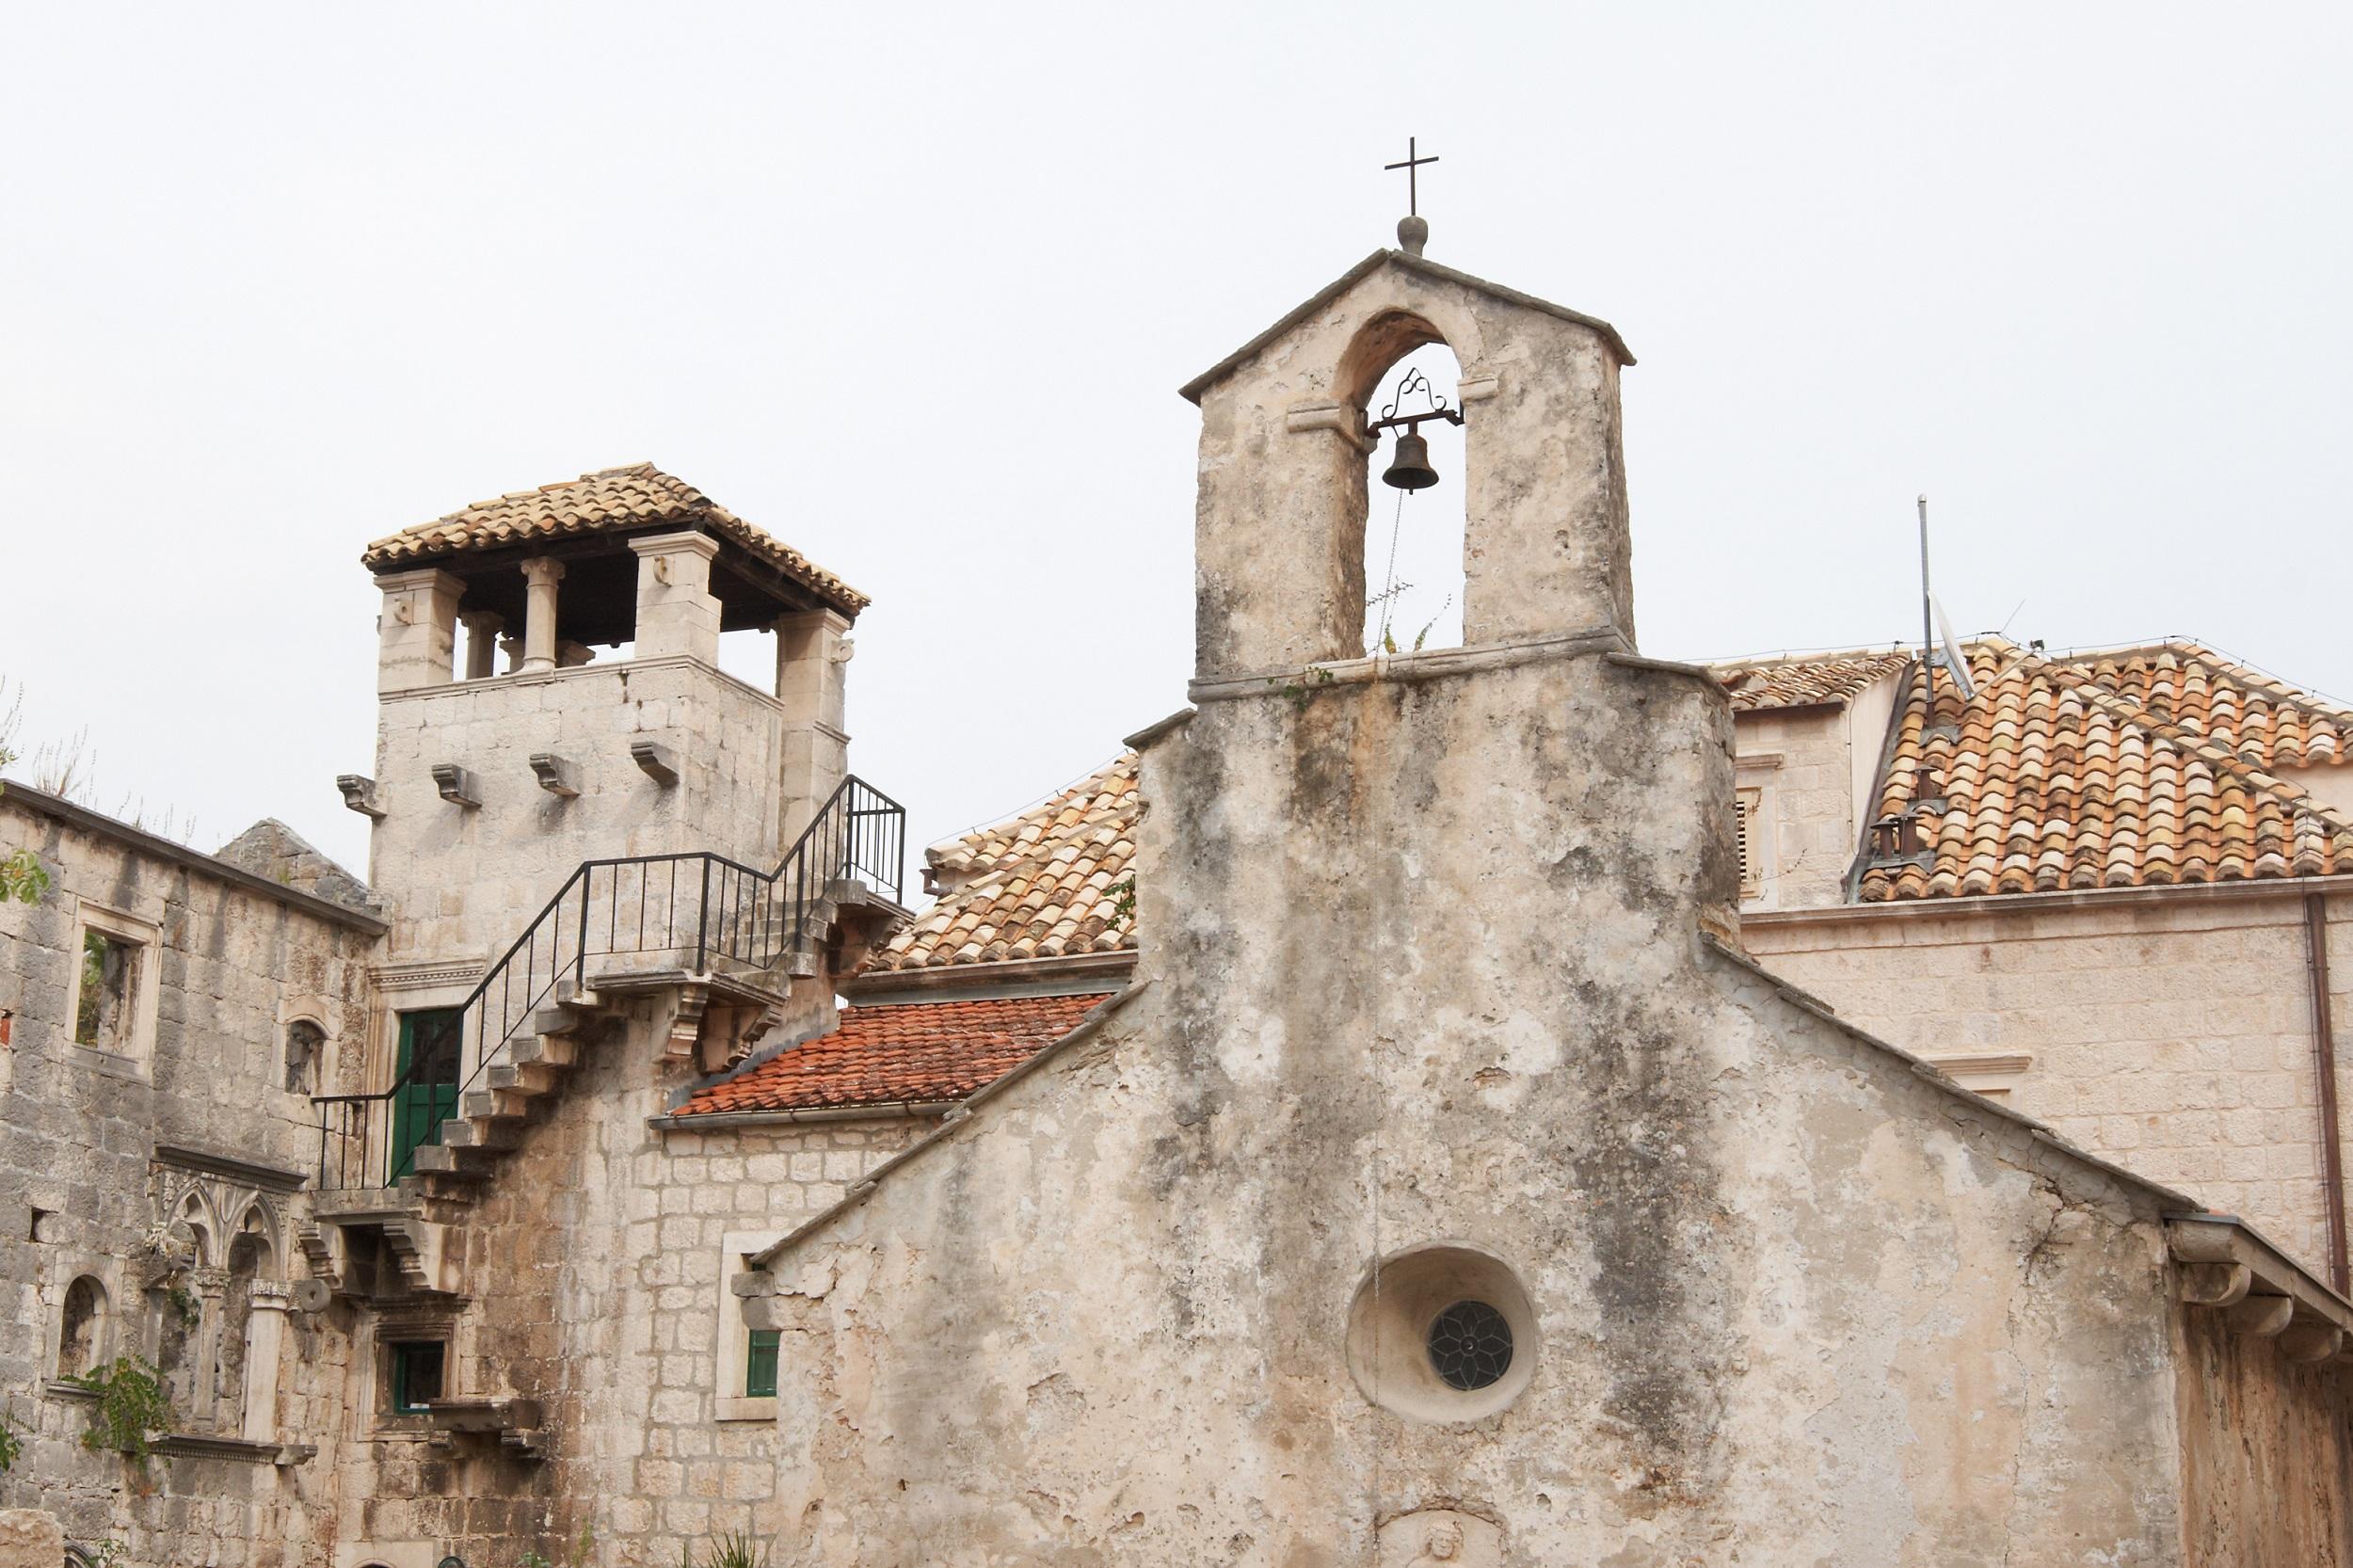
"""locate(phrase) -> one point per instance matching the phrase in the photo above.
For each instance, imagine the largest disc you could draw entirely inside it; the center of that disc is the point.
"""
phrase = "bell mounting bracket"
(1415, 382)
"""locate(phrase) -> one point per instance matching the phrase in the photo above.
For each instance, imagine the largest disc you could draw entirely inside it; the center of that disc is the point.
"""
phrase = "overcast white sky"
(914, 290)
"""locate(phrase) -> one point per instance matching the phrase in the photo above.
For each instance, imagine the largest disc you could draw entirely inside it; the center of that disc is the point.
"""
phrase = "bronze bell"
(1410, 469)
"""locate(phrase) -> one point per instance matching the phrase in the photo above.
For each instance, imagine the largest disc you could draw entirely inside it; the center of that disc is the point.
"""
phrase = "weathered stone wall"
(464, 883)
(2171, 1033)
(2267, 1452)
(230, 965)
(1422, 964)
(593, 1261)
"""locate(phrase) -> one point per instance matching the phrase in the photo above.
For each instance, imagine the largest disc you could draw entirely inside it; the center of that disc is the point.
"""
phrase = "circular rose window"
(1443, 1332)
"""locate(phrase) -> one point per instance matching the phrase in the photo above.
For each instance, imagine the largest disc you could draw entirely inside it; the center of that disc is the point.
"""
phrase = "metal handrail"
(731, 912)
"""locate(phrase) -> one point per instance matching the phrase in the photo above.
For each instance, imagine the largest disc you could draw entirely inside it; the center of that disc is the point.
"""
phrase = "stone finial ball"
(1413, 233)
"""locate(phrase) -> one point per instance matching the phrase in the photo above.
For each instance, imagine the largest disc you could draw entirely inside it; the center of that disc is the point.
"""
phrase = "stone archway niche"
(1388, 1326)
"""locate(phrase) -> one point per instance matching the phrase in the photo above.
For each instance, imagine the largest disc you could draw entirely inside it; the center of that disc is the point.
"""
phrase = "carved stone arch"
(258, 1218)
(1390, 335)
(193, 1207)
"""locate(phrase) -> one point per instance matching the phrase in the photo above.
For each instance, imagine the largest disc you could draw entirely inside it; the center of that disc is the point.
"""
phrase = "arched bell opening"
(1416, 487)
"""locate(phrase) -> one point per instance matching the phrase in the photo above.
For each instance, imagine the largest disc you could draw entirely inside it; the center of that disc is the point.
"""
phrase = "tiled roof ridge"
(2214, 662)
(2122, 708)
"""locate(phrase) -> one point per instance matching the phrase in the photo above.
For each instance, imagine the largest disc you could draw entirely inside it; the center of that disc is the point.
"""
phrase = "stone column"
(539, 614)
(676, 614)
(417, 633)
(211, 1288)
(482, 637)
(813, 650)
(265, 1334)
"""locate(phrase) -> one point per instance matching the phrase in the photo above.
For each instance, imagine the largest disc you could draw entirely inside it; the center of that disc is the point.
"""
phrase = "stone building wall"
(597, 1286)
(464, 883)
(1811, 771)
(2169, 1031)
(1779, 1297)
(2265, 1449)
(191, 1121)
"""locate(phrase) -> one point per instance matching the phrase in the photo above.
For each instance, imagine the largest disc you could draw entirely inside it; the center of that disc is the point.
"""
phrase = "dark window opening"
(102, 1018)
(760, 1364)
(304, 1040)
(79, 1346)
(1470, 1346)
(417, 1366)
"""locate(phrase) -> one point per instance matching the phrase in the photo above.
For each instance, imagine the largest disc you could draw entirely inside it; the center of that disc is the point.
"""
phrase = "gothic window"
(416, 1366)
(81, 1335)
(759, 1363)
(305, 1041)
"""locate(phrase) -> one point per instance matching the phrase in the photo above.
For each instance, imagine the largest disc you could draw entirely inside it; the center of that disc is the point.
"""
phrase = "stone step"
(481, 1137)
(496, 1103)
(547, 1050)
(439, 1162)
(525, 1078)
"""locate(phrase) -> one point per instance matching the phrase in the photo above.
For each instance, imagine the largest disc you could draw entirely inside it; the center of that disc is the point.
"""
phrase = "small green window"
(760, 1364)
(416, 1375)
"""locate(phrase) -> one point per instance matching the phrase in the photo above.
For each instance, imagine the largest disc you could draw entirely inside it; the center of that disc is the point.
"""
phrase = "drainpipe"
(2325, 1064)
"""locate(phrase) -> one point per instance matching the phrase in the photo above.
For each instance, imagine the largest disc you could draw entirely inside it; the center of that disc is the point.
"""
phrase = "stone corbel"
(554, 774)
(1343, 420)
(1477, 387)
(654, 761)
(457, 786)
(2222, 1265)
(359, 795)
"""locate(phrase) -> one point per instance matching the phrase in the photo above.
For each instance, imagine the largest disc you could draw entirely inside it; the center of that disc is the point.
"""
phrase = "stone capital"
(689, 541)
(271, 1295)
(542, 572)
(432, 577)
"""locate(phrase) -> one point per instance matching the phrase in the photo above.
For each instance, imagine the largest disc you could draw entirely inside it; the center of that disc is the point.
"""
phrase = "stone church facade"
(1522, 1103)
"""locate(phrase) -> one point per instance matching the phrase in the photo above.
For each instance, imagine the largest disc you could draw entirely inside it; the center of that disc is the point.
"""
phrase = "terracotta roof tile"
(612, 499)
(1761, 683)
(2146, 768)
(1046, 884)
(902, 1053)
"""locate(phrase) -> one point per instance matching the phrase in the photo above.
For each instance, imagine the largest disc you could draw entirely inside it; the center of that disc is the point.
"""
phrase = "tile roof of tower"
(1804, 681)
(2139, 767)
(613, 499)
(1044, 884)
(919, 1052)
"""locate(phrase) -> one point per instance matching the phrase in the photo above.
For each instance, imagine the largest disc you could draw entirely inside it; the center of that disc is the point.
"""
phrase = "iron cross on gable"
(1412, 166)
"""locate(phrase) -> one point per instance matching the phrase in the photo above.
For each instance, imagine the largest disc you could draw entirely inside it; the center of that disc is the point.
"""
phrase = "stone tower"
(496, 776)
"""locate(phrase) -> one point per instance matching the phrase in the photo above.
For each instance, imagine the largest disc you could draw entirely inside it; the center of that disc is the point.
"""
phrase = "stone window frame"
(147, 988)
(732, 1341)
(63, 1270)
(1755, 809)
(376, 1363)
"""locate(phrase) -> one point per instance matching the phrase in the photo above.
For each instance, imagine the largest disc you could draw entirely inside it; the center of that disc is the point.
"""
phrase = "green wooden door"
(424, 1080)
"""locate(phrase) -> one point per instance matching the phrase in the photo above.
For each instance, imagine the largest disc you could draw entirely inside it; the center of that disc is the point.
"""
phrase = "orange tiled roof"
(905, 1052)
(1046, 884)
(615, 499)
(2148, 768)
(1760, 683)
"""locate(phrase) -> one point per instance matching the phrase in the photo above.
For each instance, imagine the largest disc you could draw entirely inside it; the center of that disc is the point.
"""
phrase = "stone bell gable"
(1279, 532)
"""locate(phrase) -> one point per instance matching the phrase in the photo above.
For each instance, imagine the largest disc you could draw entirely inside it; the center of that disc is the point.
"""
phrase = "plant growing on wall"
(733, 1550)
(133, 1410)
(22, 876)
(11, 1444)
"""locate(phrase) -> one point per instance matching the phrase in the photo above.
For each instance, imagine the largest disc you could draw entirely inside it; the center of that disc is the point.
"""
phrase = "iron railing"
(690, 912)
